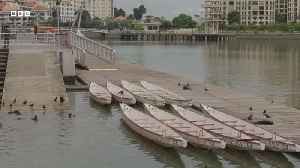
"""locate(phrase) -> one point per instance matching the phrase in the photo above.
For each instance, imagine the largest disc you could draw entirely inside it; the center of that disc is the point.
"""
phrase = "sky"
(167, 8)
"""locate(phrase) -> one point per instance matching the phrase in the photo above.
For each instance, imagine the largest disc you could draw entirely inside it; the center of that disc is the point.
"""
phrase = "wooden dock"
(237, 104)
(32, 75)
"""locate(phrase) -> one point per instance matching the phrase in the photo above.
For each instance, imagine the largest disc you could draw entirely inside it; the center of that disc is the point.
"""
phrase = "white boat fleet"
(210, 129)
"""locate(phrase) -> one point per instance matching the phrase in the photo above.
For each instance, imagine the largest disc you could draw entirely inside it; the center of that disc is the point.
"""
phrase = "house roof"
(120, 18)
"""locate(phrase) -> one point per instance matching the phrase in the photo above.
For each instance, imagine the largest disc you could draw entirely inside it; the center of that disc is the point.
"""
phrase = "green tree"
(139, 12)
(280, 18)
(119, 12)
(131, 17)
(165, 24)
(85, 19)
(97, 23)
(234, 18)
(184, 21)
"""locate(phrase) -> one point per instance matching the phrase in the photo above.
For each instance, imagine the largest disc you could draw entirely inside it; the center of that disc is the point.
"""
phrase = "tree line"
(132, 21)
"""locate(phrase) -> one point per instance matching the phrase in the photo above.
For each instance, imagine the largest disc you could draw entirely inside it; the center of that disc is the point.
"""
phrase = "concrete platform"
(234, 103)
(34, 76)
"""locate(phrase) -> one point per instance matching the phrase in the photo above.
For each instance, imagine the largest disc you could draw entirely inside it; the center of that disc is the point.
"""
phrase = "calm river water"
(96, 138)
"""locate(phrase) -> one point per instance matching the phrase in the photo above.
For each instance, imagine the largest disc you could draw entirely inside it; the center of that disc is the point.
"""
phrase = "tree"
(165, 24)
(234, 18)
(119, 12)
(139, 12)
(184, 21)
(280, 18)
(97, 23)
(85, 19)
(131, 17)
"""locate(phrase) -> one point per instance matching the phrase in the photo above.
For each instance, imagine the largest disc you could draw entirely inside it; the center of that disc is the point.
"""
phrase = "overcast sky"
(168, 8)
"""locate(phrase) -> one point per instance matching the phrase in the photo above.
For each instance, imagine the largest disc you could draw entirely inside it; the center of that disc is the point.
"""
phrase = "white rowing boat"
(195, 135)
(232, 137)
(142, 95)
(120, 94)
(272, 141)
(150, 128)
(99, 93)
(170, 97)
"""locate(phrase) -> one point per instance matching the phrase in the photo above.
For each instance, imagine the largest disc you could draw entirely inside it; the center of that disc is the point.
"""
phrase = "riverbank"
(187, 37)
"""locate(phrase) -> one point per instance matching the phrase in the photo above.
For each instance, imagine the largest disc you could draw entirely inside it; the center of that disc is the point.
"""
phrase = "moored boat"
(170, 97)
(120, 94)
(151, 128)
(233, 138)
(196, 136)
(142, 95)
(272, 141)
(99, 94)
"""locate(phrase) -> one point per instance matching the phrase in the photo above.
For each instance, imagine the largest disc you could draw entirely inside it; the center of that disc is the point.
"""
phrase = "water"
(97, 138)
(262, 67)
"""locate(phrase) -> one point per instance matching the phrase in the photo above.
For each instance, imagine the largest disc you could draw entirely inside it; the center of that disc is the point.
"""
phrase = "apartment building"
(215, 13)
(96, 8)
(99, 8)
(252, 12)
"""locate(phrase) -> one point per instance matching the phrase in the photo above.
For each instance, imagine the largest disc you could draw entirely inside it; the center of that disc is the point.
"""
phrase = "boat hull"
(202, 142)
(221, 131)
(148, 101)
(103, 101)
(126, 97)
(165, 142)
(193, 134)
(142, 95)
(272, 144)
(168, 96)
(124, 100)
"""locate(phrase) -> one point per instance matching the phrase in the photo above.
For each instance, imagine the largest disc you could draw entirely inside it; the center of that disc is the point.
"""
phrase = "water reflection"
(273, 159)
(65, 130)
(169, 157)
(202, 157)
(240, 159)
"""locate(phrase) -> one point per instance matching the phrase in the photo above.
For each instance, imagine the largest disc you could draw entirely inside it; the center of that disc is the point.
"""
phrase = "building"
(38, 12)
(99, 8)
(252, 12)
(96, 8)
(214, 13)
(151, 23)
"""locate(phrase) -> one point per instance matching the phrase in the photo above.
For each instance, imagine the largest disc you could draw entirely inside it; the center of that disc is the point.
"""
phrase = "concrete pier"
(32, 75)
(237, 104)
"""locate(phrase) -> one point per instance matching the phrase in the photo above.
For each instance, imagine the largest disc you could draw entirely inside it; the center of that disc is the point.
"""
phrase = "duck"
(61, 99)
(266, 115)
(15, 101)
(35, 118)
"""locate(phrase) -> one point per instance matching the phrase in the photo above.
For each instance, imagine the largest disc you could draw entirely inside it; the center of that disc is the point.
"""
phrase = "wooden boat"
(272, 141)
(99, 93)
(196, 136)
(150, 128)
(233, 138)
(142, 95)
(119, 94)
(170, 97)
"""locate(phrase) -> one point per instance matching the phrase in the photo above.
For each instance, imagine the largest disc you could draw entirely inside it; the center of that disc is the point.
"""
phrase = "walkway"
(33, 76)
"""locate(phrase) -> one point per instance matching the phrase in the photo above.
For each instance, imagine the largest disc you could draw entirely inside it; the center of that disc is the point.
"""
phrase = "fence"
(85, 45)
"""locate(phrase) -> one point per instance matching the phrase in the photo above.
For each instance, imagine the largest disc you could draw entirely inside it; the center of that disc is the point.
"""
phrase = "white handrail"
(92, 47)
